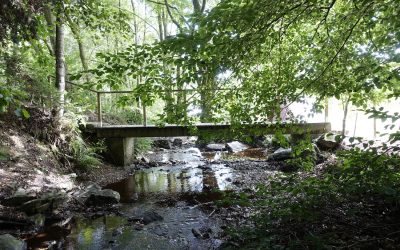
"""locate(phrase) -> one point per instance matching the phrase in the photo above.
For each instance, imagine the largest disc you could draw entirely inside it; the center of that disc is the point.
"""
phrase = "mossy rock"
(4, 153)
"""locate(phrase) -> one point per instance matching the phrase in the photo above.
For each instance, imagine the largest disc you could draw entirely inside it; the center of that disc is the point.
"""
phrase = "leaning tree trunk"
(82, 51)
(60, 64)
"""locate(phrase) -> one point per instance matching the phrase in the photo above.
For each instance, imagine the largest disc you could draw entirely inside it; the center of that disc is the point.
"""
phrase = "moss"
(4, 153)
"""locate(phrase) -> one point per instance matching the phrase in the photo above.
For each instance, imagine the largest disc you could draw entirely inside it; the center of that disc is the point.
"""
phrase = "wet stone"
(43, 204)
(281, 154)
(196, 233)
(165, 144)
(328, 141)
(215, 147)
(236, 146)
(177, 142)
(151, 216)
(138, 227)
(117, 231)
(20, 197)
(9, 242)
(205, 167)
(144, 159)
(203, 233)
(103, 197)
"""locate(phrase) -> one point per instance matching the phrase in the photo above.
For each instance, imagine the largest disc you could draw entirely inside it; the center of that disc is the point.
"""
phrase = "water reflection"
(173, 232)
(93, 234)
(185, 155)
(173, 179)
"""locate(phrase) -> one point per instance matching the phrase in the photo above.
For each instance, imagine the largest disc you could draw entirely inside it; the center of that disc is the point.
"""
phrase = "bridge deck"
(125, 131)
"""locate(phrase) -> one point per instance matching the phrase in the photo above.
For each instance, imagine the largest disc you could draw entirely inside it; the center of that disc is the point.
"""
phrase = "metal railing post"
(99, 115)
(144, 115)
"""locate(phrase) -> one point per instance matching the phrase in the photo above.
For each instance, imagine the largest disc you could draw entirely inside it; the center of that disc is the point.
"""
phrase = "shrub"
(86, 156)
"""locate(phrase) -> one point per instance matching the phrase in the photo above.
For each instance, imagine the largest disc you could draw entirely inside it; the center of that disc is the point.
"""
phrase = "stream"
(189, 181)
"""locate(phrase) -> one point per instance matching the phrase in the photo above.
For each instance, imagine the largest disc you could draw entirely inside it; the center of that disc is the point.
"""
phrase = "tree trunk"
(345, 111)
(196, 6)
(165, 24)
(51, 24)
(355, 125)
(135, 24)
(50, 20)
(60, 64)
(82, 55)
(144, 24)
(160, 27)
(326, 109)
(82, 52)
(207, 84)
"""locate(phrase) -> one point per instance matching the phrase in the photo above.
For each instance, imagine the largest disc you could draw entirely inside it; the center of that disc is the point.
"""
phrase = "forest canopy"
(260, 55)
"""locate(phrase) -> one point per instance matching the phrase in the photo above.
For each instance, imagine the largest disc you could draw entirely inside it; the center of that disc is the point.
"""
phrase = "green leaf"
(25, 114)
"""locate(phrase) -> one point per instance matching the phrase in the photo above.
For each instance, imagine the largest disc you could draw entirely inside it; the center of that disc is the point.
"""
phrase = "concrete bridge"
(120, 138)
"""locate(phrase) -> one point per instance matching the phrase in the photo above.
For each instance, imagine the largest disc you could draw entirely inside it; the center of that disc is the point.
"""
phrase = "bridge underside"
(124, 131)
(120, 138)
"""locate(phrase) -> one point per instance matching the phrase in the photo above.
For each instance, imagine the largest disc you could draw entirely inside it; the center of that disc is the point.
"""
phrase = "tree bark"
(51, 24)
(165, 24)
(171, 16)
(60, 64)
(345, 112)
(160, 27)
(76, 33)
(196, 6)
(326, 109)
(135, 24)
(50, 20)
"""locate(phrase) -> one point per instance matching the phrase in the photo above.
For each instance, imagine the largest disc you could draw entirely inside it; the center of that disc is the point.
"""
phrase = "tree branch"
(333, 58)
(323, 19)
(171, 16)
(165, 4)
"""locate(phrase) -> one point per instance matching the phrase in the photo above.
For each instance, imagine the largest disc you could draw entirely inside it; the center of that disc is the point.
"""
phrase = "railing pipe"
(144, 115)
(99, 113)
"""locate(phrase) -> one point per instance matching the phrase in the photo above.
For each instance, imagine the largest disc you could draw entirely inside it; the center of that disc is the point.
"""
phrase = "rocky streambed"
(166, 201)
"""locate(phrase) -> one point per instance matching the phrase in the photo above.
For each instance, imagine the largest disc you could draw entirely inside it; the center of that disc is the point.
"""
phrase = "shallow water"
(190, 174)
(189, 178)
(173, 232)
(173, 179)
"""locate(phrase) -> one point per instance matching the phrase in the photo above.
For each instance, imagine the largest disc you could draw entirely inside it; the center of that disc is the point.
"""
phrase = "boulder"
(202, 233)
(41, 205)
(151, 216)
(281, 154)
(236, 146)
(162, 143)
(144, 159)
(329, 141)
(102, 197)
(9, 242)
(38, 220)
(215, 147)
(93, 195)
(177, 142)
(18, 198)
(196, 233)
(7, 222)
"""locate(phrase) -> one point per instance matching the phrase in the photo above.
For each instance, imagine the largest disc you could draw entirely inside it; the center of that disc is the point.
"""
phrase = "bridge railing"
(99, 94)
